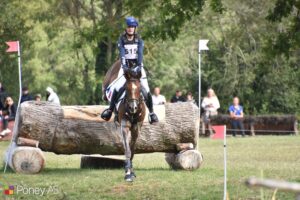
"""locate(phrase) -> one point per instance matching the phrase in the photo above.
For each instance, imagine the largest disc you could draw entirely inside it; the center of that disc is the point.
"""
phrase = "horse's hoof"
(133, 175)
(128, 178)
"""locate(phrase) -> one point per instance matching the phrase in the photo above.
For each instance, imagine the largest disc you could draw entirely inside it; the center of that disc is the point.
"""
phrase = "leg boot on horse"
(128, 174)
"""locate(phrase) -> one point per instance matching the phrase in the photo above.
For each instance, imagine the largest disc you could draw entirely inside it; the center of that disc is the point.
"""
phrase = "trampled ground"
(276, 157)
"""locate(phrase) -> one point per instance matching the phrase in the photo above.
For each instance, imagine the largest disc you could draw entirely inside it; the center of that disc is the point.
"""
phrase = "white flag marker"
(203, 45)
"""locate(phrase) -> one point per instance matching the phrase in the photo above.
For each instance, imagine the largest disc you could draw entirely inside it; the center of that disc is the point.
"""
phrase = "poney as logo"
(8, 189)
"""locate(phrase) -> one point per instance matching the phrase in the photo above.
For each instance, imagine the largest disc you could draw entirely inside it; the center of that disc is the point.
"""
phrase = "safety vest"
(131, 47)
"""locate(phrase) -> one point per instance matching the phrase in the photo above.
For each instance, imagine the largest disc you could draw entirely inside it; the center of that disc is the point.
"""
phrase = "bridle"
(133, 117)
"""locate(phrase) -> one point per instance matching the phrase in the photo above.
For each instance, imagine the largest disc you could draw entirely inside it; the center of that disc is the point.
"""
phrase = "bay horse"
(131, 114)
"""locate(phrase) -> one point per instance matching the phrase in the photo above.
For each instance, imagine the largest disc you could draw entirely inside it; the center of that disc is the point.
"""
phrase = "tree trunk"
(25, 160)
(188, 160)
(79, 129)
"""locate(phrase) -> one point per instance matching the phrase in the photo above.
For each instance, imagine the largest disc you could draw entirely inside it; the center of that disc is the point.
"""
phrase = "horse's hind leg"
(127, 149)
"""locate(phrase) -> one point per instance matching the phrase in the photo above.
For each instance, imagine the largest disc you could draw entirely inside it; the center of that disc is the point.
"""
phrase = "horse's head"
(133, 96)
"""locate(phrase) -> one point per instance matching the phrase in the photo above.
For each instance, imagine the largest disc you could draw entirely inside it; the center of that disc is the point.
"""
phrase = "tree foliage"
(70, 44)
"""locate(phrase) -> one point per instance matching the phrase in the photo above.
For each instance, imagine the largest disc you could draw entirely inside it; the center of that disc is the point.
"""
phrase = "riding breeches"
(121, 80)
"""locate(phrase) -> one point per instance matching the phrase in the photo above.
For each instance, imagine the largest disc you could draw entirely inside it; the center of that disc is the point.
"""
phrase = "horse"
(131, 114)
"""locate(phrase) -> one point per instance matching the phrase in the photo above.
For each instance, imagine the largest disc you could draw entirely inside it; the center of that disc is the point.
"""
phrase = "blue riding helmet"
(131, 21)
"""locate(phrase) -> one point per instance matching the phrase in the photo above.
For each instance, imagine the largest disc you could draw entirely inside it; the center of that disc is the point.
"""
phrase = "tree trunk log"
(79, 129)
(99, 162)
(26, 160)
(187, 160)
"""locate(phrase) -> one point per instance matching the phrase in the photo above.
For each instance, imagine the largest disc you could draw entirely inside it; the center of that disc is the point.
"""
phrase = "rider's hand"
(137, 69)
(125, 69)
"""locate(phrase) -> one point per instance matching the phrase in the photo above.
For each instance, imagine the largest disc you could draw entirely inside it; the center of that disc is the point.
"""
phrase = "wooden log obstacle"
(79, 130)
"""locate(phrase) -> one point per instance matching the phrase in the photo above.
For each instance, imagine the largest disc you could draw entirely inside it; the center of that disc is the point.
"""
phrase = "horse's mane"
(110, 75)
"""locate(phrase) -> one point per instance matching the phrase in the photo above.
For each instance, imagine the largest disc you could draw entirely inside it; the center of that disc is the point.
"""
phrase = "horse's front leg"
(127, 150)
(134, 135)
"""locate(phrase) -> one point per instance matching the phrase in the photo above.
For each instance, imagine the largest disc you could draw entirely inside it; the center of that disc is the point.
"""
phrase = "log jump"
(79, 130)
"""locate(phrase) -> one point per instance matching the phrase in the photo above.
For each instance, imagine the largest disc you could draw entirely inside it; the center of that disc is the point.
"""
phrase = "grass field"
(276, 157)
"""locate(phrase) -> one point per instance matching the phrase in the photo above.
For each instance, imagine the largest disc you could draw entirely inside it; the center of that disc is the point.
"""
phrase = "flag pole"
(202, 46)
(199, 84)
(18, 107)
(225, 166)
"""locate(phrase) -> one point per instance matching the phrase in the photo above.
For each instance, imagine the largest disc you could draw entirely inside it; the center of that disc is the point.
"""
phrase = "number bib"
(131, 51)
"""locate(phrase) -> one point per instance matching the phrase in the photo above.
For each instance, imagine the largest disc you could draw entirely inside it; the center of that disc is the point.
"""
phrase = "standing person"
(210, 104)
(25, 95)
(131, 48)
(157, 98)
(237, 116)
(9, 114)
(52, 96)
(177, 97)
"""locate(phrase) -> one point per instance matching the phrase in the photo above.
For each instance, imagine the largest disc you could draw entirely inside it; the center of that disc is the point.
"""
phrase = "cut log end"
(187, 160)
(100, 162)
(27, 160)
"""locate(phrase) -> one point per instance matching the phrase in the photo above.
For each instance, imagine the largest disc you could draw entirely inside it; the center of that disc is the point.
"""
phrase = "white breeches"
(120, 82)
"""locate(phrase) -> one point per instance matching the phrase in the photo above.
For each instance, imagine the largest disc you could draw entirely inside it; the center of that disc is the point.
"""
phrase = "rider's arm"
(140, 52)
(122, 51)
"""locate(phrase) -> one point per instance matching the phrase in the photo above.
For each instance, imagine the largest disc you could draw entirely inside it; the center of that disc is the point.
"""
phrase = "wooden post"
(296, 127)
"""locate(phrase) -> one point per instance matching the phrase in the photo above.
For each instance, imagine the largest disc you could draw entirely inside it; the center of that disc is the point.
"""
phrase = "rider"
(131, 54)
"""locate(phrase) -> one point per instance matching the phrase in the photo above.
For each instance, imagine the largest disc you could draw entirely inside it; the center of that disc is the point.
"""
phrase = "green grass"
(278, 157)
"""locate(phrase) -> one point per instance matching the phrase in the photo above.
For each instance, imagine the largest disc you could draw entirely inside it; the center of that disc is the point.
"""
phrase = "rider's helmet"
(131, 21)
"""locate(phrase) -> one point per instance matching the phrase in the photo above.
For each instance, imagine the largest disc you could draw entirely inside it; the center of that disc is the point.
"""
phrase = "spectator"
(237, 116)
(1, 88)
(210, 104)
(190, 98)
(3, 95)
(177, 97)
(52, 96)
(157, 98)
(9, 114)
(38, 97)
(25, 95)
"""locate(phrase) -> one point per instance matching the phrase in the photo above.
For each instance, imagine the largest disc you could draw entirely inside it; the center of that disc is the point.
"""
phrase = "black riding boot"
(152, 116)
(107, 113)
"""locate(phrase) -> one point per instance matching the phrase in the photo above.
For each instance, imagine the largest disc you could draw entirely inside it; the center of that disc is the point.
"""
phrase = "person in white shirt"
(52, 96)
(210, 104)
(157, 98)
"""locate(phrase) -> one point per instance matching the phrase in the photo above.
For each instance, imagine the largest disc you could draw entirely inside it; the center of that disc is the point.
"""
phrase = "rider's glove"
(137, 69)
(125, 69)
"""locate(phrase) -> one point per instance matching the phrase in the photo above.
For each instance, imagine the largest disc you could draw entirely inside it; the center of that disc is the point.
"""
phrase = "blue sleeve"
(140, 52)
(121, 51)
(241, 109)
(230, 109)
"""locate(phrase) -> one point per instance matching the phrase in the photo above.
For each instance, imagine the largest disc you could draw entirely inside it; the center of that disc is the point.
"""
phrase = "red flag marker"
(13, 46)
(220, 131)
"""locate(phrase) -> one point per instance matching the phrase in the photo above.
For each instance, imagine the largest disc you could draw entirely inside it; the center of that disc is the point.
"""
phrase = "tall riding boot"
(107, 113)
(152, 116)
